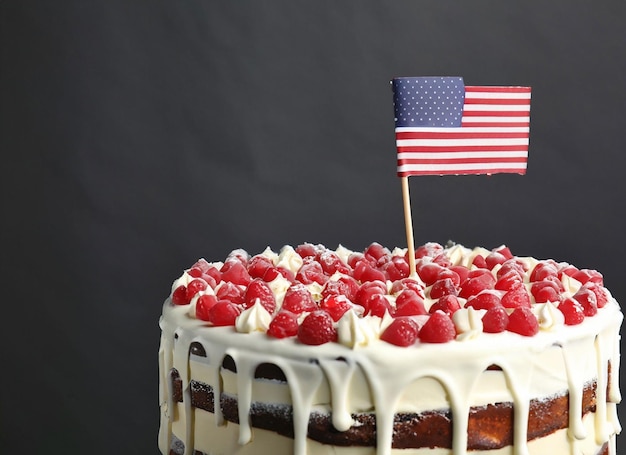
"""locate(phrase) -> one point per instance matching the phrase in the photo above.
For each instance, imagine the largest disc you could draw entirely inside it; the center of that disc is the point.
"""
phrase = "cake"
(310, 350)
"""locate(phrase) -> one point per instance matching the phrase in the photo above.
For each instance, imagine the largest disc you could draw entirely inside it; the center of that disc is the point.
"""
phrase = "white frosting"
(377, 377)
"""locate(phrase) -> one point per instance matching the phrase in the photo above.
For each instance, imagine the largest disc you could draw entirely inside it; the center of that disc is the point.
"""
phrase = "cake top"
(317, 295)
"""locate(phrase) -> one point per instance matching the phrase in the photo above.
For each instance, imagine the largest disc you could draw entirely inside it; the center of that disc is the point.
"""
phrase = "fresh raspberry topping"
(306, 250)
(203, 306)
(523, 322)
(179, 296)
(498, 283)
(311, 272)
(438, 329)
(345, 285)
(601, 295)
(572, 311)
(364, 271)
(588, 300)
(376, 251)
(259, 290)
(508, 281)
(516, 298)
(442, 287)
(234, 271)
(195, 286)
(477, 280)
(336, 306)
(543, 270)
(298, 299)
(448, 304)
(495, 320)
(377, 305)
(367, 290)
(258, 265)
(429, 272)
(231, 292)
(396, 269)
(493, 259)
(401, 332)
(317, 328)
(409, 303)
(545, 291)
(331, 263)
(284, 325)
(224, 313)
(484, 300)
(406, 283)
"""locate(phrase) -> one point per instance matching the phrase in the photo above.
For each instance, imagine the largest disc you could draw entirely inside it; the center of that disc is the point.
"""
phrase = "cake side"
(362, 378)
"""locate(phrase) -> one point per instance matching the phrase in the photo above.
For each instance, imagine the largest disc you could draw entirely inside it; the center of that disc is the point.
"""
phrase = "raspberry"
(298, 299)
(438, 329)
(345, 285)
(367, 290)
(406, 283)
(231, 292)
(494, 258)
(409, 303)
(336, 306)
(484, 301)
(363, 271)
(224, 313)
(448, 304)
(504, 251)
(516, 298)
(201, 264)
(331, 263)
(396, 269)
(441, 288)
(479, 262)
(258, 265)
(512, 265)
(401, 332)
(495, 320)
(601, 295)
(195, 286)
(442, 260)
(376, 251)
(585, 275)
(317, 328)
(429, 272)
(307, 250)
(311, 272)
(461, 271)
(523, 322)
(271, 273)
(430, 249)
(235, 272)
(572, 310)
(284, 325)
(588, 300)
(545, 291)
(508, 281)
(203, 306)
(477, 280)
(543, 270)
(377, 305)
(179, 296)
(451, 274)
(259, 290)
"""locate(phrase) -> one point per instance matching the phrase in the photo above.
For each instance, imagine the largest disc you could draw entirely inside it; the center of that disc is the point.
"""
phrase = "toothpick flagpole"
(408, 224)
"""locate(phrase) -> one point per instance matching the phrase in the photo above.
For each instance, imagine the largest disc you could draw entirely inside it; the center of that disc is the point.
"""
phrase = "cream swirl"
(256, 318)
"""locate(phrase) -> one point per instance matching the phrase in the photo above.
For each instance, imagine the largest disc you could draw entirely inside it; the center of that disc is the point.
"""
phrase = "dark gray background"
(139, 136)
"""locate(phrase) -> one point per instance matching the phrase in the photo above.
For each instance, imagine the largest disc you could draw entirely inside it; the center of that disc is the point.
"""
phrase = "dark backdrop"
(139, 136)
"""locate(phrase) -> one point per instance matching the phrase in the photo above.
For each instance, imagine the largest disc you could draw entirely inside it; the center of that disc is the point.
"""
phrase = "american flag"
(445, 127)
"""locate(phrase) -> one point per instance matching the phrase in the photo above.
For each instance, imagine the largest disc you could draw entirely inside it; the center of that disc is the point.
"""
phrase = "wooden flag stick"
(408, 224)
